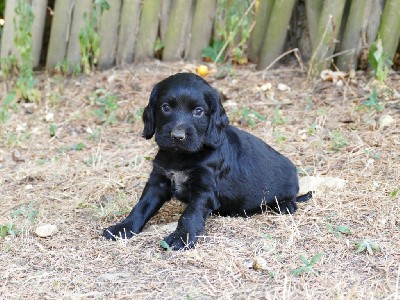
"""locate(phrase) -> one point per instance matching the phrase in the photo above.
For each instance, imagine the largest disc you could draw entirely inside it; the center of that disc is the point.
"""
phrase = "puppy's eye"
(166, 108)
(198, 112)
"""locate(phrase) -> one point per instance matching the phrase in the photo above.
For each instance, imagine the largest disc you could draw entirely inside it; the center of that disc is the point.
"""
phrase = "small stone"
(49, 117)
(320, 184)
(385, 121)
(46, 230)
(266, 86)
(17, 156)
(259, 263)
(283, 87)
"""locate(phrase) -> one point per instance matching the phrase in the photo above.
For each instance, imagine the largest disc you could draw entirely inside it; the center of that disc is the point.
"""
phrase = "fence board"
(7, 43)
(74, 54)
(164, 17)
(109, 26)
(59, 32)
(39, 9)
(203, 19)
(179, 21)
(130, 16)
(147, 30)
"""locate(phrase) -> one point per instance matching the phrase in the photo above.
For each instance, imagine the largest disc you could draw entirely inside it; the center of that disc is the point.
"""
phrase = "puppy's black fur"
(206, 163)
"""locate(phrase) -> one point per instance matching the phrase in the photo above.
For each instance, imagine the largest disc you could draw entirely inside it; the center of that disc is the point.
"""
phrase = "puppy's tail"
(305, 197)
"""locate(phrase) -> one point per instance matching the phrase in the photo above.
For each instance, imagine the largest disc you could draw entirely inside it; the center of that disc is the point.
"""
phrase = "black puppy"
(209, 165)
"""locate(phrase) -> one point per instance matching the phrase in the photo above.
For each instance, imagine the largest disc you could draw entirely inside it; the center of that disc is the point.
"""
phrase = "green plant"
(107, 104)
(338, 230)
(8, 66)
(373, 102)
(367, 245)
(8, 103)
(52, 129)
(312, 129)
(89, 38)
(280, 138)
(394, 193)
(338, 140)
(278, 117)
(7, 229)
(165, 245)
(63, 67)
(27, 211)
(379, 61)
(233, 26)
(308, 265)
(251, 116)
(26, 83)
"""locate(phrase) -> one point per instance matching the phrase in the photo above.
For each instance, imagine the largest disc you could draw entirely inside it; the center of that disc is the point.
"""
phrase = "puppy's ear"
(218, 120)
(149, 115)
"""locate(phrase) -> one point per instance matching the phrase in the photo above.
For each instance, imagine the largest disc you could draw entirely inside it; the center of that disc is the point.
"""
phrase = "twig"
(295, 50)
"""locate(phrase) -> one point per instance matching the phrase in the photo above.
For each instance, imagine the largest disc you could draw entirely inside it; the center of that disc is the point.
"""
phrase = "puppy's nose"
(178, 134)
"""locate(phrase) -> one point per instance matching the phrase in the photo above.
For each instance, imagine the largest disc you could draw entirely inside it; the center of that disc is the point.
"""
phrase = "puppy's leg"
(156, 192)
(286, 206)
(192, 221)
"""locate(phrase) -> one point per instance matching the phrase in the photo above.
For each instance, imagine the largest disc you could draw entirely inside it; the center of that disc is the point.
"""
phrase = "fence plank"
(276, 32)
(7, 42)
(147, 30)
(39, 9)
(74, 54)
(351, 40)
(130, 16)
(389, 31)
(203, 19)
(180, 18)
(59, 34)
(258, 34)
(109, 26)
(165, 11)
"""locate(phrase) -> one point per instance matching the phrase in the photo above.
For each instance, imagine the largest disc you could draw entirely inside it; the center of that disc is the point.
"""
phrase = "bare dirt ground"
(60, 165)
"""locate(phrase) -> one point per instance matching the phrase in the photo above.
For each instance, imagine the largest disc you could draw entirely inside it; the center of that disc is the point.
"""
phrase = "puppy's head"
(185, 113)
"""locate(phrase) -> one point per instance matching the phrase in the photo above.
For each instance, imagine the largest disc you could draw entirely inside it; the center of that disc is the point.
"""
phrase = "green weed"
(107, 104)
(89, 38)
(338, 140)
(251, 116)
(26, 83)
(393, 194)
(338, 230)
(7, 104)
(367, 245)
(233, 28)
(27, 211)
(373, 102)
(278, 117)
(308, 265)
(379, 61)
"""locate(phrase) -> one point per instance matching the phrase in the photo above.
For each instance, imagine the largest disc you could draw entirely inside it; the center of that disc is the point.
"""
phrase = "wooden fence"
(130, 30)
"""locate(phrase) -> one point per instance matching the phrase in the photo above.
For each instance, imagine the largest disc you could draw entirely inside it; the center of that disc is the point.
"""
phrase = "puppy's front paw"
(118, 231)
(180, 240)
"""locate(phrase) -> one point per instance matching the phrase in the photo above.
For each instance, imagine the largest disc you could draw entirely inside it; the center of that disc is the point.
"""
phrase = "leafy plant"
(278, 118)
(8, 103)
(367, 245)
(373, 102)
(23, 21)
(89, 38)
(379, 61)
(7, 230)
(338, 140)
(107, 104)
(8, 66)
(233, 30)
(394, 193)
(308, 265)
(165, 245)
(52, 129)
(251, 116)
(27, 211)
(338, 230)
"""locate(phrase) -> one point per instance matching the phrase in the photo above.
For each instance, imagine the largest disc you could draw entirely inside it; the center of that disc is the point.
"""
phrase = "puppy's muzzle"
(178, 134)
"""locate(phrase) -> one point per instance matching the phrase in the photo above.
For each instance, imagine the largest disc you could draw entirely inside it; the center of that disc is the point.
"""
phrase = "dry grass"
(81, 198)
